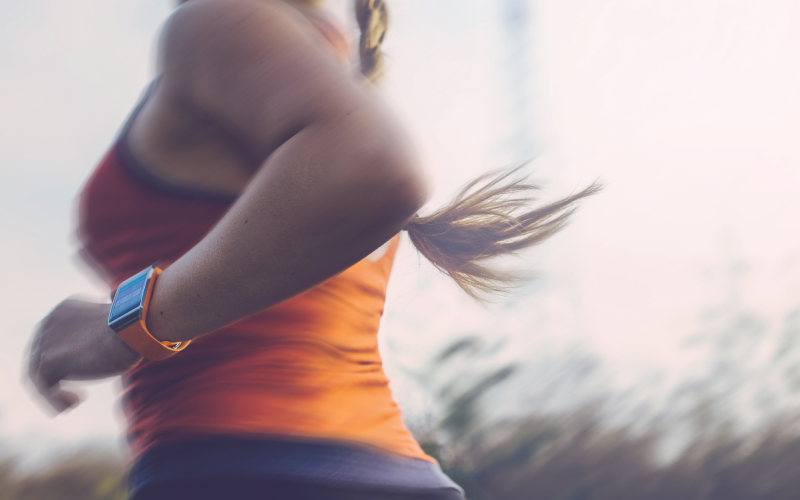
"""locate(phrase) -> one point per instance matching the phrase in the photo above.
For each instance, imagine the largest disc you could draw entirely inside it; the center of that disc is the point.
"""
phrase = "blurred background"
(655, 355)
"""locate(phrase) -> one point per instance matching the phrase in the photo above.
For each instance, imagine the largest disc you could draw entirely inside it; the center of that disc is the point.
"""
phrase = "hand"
(74, 342)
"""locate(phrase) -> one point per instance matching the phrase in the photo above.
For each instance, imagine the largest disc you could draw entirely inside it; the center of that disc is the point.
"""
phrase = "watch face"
(129, 295)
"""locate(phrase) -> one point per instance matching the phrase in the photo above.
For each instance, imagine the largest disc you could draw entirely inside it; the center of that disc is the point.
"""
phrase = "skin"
(249, 102)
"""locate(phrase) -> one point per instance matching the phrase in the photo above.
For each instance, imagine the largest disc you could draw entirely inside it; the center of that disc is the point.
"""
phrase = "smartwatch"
(128, 314)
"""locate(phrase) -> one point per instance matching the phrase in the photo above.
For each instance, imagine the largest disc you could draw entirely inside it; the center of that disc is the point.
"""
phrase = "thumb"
(61, 400)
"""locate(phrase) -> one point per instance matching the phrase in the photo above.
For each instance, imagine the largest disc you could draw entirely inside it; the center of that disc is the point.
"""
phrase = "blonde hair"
(492, 216)
(373, 21)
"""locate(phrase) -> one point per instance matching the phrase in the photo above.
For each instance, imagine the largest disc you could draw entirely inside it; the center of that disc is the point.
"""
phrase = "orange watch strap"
(141, 341)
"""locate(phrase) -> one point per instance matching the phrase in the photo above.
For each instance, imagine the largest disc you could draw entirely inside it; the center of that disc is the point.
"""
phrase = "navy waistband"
(317, 463)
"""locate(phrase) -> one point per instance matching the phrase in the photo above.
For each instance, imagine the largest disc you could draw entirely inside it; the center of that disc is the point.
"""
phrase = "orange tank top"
(307, 368)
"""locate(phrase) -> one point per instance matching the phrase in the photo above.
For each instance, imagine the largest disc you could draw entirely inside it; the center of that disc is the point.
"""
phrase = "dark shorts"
(231, 468)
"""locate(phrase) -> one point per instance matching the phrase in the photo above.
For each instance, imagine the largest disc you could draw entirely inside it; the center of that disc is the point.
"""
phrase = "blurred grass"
(580, 457)
(89, 474)
(571, 456)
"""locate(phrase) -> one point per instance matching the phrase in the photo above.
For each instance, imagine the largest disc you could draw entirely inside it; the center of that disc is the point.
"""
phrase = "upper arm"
(337, 176)
(255, 68)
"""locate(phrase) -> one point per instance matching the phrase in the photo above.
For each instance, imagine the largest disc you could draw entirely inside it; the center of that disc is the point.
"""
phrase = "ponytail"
(490, 217)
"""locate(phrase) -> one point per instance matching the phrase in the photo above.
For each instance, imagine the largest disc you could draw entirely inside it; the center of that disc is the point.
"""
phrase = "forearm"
(318, 205)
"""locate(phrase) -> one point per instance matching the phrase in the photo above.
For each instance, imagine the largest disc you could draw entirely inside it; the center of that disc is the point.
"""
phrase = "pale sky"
(687, 110)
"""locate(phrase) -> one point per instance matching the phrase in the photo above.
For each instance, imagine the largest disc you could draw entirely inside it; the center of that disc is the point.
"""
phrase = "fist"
(74, 342)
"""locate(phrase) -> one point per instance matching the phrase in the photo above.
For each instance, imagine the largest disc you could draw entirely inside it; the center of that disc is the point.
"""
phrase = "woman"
(276, 184)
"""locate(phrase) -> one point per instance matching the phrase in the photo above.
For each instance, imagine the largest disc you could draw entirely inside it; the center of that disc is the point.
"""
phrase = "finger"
(60, 399)
(34, 359)
(47, 383)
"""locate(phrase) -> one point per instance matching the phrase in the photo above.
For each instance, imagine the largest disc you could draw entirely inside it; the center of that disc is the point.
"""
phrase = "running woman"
(276, 184)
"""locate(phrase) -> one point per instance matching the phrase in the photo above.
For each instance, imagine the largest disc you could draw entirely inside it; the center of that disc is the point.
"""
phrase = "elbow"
(400, 187)
(411, 191)
(376, 176)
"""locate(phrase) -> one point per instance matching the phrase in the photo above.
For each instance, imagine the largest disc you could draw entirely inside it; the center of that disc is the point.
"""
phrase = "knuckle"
(33, 367)
(46, 361)
(44, 384)
(46, 322)
(47, 372)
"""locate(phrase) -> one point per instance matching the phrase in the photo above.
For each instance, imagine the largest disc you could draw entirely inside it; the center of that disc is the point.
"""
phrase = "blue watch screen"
(129, 296)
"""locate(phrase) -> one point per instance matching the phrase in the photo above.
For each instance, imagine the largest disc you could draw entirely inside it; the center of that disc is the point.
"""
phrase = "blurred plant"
(85, 475)
(588, 452)
(578, 455)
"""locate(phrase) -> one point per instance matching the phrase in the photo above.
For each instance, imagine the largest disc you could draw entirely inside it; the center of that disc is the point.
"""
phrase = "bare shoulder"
(256, 70)
(252, 64)
(226, 32)
(201, 24)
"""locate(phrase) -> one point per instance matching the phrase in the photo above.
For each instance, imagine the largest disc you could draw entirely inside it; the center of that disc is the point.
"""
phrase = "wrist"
(156, 320)
(117, 350)
(166, 319)
(128, 316)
